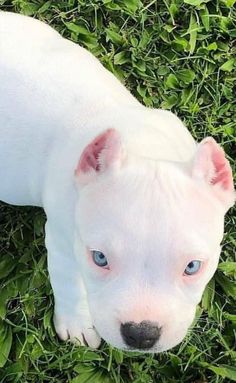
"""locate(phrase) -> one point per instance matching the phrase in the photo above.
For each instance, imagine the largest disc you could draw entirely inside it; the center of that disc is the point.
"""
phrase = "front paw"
(76, 328)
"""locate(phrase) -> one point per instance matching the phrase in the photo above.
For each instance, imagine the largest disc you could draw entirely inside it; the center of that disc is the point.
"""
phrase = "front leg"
(72, 318)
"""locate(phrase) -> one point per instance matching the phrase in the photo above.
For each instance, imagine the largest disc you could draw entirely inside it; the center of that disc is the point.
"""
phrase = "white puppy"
(135, 209)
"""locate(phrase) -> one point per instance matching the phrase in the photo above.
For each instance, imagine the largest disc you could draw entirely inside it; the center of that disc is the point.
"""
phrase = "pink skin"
(89, 158)
(101, 152)
(211, 166)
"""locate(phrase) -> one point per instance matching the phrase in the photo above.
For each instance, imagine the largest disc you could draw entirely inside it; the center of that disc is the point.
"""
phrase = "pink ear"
(102, 153)
(211, 166)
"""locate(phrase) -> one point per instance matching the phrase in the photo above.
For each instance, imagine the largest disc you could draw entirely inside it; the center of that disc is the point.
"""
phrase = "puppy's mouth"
(154, 349)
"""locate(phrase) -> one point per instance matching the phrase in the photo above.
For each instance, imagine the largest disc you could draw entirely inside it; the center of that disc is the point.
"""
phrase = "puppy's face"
(148, 239)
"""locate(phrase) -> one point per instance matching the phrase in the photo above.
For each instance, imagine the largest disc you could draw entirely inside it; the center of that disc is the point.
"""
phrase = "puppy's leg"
(72, 318)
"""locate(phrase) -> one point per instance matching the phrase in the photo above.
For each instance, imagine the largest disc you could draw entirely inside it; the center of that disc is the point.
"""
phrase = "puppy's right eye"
(99, 258)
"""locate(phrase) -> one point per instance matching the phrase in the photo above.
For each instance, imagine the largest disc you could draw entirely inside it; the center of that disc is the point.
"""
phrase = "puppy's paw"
(78, 329)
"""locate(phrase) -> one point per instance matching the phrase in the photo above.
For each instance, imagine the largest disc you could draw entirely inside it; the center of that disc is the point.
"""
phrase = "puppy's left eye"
(99, 258)
(193, 267)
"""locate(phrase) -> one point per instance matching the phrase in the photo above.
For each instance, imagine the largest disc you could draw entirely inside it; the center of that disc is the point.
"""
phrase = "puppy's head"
(148, 238)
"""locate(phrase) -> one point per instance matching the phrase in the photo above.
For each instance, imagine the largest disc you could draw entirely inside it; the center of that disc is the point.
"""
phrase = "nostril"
(140, 335)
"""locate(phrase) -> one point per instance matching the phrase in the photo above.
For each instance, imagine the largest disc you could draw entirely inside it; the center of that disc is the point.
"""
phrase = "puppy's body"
(55, 98)
(59, 94)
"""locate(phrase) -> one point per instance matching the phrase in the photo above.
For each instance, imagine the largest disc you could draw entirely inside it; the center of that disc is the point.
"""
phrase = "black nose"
(140, 335)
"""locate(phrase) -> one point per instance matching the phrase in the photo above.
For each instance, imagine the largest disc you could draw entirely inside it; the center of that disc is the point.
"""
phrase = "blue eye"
(193, 267)
(99, 258)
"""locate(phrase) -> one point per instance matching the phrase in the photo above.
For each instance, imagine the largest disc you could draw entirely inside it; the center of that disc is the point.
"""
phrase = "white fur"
(149, 216)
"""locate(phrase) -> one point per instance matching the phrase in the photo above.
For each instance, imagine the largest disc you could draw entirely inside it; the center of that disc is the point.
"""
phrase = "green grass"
(175, 54)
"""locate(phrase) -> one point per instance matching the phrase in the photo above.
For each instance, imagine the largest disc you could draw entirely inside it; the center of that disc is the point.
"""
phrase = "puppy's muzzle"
(140, 335)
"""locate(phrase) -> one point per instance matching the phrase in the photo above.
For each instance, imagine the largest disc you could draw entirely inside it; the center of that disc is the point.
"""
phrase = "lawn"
(178, 55)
